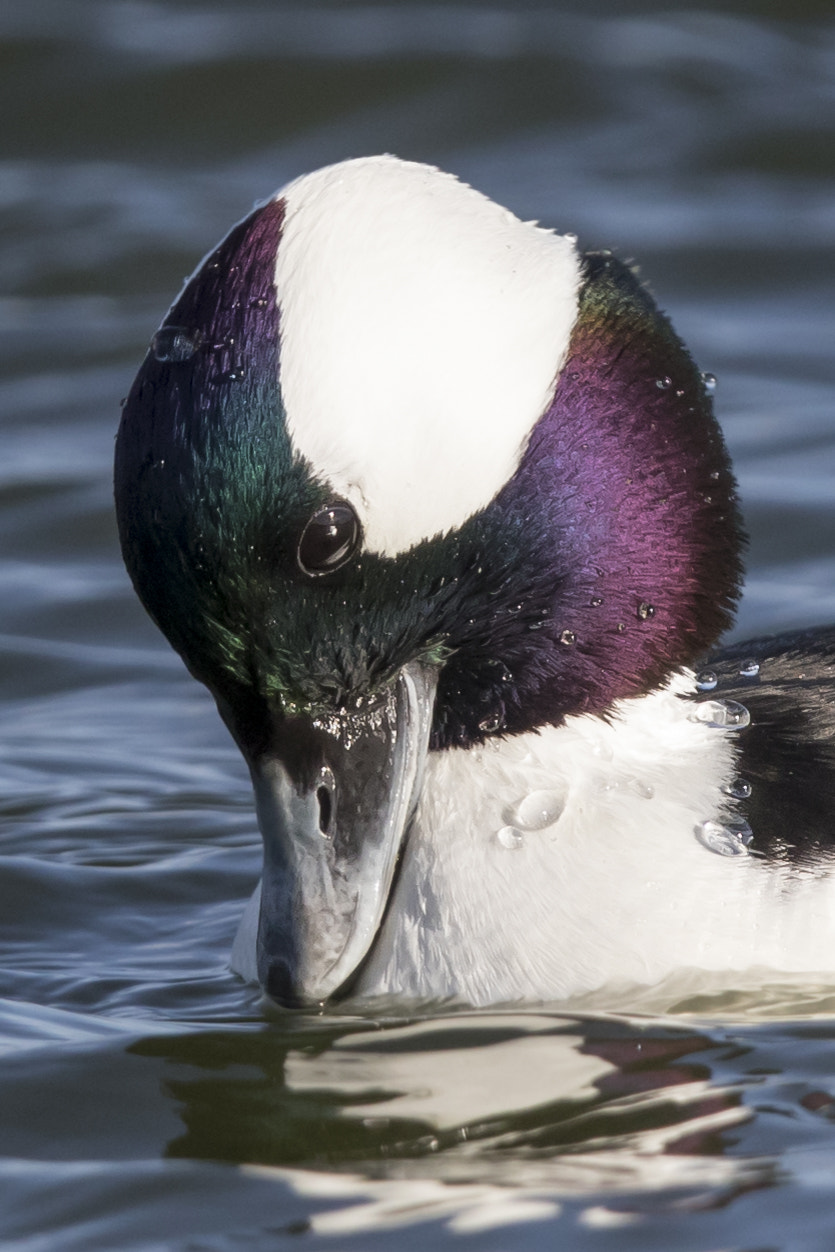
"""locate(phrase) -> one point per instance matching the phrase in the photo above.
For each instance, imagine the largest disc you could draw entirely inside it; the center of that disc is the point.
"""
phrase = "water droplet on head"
(749, 669)
(493, 722)
(645, 611)
(738, 789)
(510, 837)
(723, 714)
(709, 383)
(175, 344)
(663, 383)
(729, 838)
(498, 670)
(537, 811)
(568, 638)
(706, 680)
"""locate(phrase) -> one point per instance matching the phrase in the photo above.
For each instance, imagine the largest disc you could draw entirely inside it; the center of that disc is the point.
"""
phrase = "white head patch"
(422, 331)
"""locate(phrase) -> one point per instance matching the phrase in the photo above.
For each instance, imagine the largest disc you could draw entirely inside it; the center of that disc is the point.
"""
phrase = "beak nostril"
(323, 795)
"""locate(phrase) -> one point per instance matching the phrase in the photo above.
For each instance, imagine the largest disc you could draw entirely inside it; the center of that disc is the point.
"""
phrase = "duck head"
(399, 473)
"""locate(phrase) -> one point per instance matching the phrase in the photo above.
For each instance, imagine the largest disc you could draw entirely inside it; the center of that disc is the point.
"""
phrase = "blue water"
(148, 1100)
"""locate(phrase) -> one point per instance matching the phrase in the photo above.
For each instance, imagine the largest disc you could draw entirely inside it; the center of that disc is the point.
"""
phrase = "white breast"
(617, 890)
(422, 331)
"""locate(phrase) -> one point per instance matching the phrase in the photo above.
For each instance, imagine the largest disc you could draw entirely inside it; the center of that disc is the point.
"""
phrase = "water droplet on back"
(749, 669)
(723, 714)
(645, 611)
(596, 602)
(568, 638)
(175, 344)
(709, 383)
(729, 838)
(509, 837)
(663, 383)
(538, 810)
(738, 789)
(706, 680)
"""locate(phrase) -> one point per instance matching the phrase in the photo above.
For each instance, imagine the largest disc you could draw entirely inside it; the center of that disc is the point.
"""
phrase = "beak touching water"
(334, 798)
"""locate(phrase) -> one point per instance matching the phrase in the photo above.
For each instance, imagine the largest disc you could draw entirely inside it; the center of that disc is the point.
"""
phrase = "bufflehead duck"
(437, 508)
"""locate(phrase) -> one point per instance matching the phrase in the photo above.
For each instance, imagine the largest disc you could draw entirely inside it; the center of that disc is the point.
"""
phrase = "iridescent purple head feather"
(608, 560)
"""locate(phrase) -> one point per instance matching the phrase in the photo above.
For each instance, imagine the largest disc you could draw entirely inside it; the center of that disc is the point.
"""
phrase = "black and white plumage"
(437, 508)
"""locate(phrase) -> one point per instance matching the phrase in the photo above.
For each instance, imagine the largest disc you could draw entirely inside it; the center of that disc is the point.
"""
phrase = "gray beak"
(334, 806)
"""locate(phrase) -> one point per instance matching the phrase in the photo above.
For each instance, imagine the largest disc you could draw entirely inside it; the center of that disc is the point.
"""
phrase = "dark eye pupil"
(329, 539)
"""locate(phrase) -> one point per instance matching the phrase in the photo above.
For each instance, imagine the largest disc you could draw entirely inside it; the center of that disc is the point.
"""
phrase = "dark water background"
(147, 1099)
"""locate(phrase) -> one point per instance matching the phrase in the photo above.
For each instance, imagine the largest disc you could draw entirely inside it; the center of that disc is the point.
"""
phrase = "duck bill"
(334, 801)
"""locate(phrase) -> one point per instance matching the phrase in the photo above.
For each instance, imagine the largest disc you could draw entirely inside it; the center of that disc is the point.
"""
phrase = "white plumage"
(417, 409)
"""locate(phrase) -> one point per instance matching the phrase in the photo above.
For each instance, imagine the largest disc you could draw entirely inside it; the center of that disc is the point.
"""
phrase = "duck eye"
(329, 539)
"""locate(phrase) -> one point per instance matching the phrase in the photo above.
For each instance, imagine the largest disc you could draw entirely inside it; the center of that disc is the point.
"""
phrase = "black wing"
(787, 753)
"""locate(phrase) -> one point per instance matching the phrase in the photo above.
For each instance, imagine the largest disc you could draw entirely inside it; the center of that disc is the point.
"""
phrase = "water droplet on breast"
(645, 611)
(601, 750)
(706, 680)
(509, 837)
(568, 638)
(537, 811)
(723, 714)
(663, 383)
(749, 669)
(709, 383)
(729, 838)
(175, 344)
(738, 789)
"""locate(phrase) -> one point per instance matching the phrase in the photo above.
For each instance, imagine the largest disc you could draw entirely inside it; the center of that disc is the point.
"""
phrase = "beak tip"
(279, 984)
